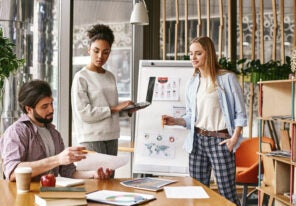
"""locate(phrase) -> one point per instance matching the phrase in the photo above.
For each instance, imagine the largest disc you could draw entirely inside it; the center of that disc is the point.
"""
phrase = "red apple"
(48, 180)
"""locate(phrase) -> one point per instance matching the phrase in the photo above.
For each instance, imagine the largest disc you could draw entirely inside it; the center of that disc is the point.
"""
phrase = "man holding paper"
(33, 141)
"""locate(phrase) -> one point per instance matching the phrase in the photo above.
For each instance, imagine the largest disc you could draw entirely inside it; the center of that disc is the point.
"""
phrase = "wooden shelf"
(269, 191)
(285, 160)
(281, 81)
(284, 120)
(276, 104)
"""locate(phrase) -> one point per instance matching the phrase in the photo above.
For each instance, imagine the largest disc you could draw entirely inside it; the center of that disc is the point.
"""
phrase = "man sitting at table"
(34, 142)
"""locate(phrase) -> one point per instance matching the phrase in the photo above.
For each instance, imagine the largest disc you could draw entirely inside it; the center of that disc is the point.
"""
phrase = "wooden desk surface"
(8, 195)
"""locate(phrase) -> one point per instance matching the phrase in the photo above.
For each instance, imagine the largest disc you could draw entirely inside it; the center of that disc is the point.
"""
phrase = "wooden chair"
(247, 164)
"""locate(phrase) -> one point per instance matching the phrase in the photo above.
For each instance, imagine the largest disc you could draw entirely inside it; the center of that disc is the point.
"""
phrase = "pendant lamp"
(139, 14)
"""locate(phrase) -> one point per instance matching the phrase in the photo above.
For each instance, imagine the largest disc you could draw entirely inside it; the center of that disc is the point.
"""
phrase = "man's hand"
(100, 174)
(71, 154)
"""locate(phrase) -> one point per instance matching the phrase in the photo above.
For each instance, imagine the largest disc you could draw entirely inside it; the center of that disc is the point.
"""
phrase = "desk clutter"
(74, 196)
(81, 194)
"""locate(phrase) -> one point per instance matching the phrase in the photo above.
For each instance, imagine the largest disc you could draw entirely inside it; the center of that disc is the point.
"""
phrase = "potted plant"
(9, 63)
(271, 70)
(254, 71)
(232, 65)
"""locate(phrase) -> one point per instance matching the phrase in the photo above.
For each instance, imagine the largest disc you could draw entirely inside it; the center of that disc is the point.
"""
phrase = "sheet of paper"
(95, 160)
(119, 198)
(68, 182)
(192, 192)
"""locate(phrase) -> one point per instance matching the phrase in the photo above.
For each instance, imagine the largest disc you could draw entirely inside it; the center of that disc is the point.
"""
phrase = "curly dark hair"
(100, 32)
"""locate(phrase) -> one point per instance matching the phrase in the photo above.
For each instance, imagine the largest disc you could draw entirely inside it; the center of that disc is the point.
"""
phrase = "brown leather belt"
(220, 133)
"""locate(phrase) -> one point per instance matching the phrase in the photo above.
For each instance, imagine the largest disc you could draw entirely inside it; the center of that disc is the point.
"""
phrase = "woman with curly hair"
(94, 96)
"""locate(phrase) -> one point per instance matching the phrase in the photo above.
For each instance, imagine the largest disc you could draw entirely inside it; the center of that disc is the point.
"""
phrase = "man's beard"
(41, 119)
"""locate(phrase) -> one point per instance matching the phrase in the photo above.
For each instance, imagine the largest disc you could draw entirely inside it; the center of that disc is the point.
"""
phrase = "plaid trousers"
(206, 155)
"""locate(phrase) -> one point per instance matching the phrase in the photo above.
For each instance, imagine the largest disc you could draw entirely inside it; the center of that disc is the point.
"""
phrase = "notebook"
(62, 192)
(67, 182)
(149, 96)
(59, 201)
(147, 183)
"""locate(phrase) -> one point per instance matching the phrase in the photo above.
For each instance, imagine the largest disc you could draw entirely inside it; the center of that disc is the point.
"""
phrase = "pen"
(163, 119)
(88, 151)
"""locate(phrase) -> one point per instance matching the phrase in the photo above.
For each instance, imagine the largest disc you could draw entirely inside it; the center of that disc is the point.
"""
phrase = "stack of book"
(61, 196)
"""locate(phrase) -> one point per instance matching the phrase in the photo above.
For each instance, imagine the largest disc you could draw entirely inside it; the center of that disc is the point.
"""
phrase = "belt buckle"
(204, 132)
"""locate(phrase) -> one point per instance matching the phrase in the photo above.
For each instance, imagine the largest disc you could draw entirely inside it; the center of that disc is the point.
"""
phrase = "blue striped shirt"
(231, 101)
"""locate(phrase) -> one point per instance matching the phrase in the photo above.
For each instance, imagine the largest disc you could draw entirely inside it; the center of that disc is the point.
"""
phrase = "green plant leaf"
(9, 63)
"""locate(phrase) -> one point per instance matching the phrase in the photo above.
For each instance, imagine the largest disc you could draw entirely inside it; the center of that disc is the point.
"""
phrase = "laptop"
(149, 95)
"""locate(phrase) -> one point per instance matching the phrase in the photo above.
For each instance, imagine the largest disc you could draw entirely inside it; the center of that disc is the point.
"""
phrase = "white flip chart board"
(158, 149)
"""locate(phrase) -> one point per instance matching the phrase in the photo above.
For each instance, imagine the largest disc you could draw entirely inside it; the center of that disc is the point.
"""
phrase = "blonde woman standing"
(215, 116)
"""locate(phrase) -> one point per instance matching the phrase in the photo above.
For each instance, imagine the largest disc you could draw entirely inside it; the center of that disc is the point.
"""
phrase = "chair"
(247, 164)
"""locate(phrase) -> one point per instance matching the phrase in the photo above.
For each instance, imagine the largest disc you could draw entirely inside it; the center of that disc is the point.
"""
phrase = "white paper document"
(192, 192)
(68, 182)
(95, 160)
(119, 198)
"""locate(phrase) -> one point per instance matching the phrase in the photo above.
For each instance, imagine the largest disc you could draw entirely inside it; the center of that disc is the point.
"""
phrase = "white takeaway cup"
(23, 177)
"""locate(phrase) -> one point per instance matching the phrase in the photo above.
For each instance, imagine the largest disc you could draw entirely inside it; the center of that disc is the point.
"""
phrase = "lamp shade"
(139, 14)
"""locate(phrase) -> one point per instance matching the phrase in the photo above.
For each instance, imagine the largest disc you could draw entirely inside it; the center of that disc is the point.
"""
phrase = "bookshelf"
(276, 106)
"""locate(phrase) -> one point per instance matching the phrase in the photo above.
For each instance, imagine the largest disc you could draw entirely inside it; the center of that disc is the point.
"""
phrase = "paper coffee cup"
(23, 179)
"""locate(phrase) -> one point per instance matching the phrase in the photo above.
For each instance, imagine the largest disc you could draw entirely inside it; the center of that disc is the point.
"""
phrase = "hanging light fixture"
(140, 14)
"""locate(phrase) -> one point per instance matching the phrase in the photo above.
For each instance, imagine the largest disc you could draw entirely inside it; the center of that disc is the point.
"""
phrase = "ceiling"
(89, 11)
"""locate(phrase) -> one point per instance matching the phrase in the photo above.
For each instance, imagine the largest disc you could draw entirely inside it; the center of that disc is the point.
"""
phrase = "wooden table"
(8, 195)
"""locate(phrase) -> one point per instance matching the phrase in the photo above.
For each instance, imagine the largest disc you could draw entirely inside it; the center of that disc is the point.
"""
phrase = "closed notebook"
(62, 192)
(59, 202)
(147, 183)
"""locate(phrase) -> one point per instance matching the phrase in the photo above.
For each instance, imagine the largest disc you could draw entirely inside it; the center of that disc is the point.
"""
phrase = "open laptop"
(149, 95)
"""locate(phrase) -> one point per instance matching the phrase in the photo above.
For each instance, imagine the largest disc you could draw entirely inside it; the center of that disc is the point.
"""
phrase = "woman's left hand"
(230, 143)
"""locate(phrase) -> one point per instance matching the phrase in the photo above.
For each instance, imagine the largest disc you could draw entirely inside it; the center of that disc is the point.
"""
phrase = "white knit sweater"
(92, 94)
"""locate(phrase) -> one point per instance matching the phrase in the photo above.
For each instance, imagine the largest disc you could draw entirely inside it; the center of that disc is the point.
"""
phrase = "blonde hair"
(211, 62)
